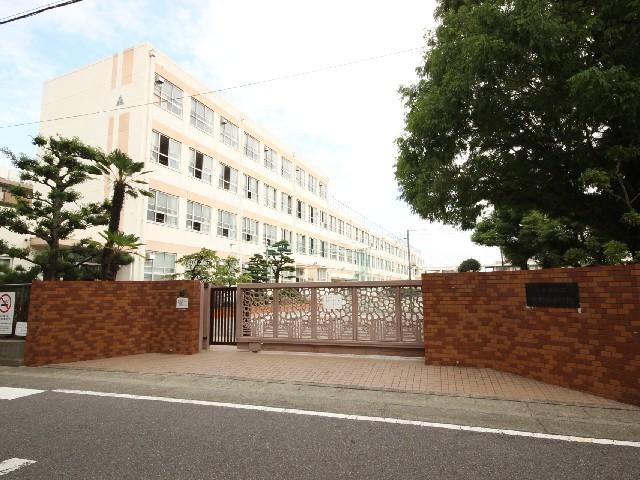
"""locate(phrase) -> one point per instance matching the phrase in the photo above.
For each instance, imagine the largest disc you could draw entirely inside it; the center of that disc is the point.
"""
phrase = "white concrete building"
(8, 179)
(219, 179)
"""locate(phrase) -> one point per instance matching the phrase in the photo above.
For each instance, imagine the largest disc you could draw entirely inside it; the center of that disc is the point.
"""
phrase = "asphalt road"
(86, 437)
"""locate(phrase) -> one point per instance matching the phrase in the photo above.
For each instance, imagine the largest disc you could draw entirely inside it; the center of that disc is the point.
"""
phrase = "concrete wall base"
(11, 352)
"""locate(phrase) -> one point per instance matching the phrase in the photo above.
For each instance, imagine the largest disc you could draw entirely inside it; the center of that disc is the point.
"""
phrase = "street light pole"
(409, 253)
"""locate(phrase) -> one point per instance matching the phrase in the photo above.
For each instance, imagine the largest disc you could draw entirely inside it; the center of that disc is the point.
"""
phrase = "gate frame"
(331, 346)
(232, 311)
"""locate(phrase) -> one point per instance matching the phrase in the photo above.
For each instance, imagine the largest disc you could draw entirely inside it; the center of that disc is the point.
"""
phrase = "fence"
(20, 304)
(381, 314)
(222, 329)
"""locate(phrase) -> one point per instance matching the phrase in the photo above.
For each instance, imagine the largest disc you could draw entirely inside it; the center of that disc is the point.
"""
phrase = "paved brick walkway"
(387, 373)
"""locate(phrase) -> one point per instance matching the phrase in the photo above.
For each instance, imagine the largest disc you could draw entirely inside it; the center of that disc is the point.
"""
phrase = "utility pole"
(409, 253)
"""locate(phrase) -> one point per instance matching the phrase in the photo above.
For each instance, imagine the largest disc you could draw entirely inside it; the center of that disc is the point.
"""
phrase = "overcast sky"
(344, 120)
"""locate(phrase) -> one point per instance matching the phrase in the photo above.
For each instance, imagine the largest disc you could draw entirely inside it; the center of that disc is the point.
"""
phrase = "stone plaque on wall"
(557, 295)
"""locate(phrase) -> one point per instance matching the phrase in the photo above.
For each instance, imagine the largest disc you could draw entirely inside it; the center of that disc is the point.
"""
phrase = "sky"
(345, 120)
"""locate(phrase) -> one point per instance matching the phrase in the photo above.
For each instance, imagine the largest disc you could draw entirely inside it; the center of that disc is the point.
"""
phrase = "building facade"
(11, 178)
(218, 179)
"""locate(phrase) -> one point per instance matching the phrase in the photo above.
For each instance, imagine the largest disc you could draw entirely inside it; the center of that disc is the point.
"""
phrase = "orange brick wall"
(481, 320)
(71, 321)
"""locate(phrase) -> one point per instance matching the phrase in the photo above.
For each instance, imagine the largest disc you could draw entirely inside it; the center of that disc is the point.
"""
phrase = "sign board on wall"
(21, 329)
(7, 307)
(333, 301)
(182, 302)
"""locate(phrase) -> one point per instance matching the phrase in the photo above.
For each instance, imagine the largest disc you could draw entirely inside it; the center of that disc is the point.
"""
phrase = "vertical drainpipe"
(148, 98)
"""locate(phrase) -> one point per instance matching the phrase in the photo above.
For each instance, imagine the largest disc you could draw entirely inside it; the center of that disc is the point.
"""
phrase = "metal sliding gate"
(223, 316)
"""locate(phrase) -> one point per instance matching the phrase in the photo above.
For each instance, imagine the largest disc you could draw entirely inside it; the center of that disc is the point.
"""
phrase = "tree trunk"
(107, 270)
(117, 202)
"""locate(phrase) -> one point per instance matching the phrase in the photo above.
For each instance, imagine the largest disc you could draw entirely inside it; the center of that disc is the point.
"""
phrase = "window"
(270, 196)
(198, 217)
(226, 225)
(323, 249)
(229, 133)
(349, 255)
(323, 219)
(322, 190)
(286, 168)
(249, 230)
(332, 223)
(348, 230)
(341, 256)
(313, 246)
(286, 203)
(300, 209)
(333, 252)
(269, 234)
(159, 266)
(313, 214)
(313, 184)
(251, 188)
(286, 235)
(269, 158)
(341, 227)
(322, 275)
(165, 151)
(228, 178)
(201, 116)
(201, 166)
(251, 147)
(162, 208)
(169, 96)
(300, 176)
(301, 244)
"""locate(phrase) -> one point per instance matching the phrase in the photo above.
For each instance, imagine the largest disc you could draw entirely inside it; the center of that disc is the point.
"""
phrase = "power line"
(242, 85)
(35, 11)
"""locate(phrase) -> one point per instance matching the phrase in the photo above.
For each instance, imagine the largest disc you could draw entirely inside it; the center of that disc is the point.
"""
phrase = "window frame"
(165, 214)
(173, 161)
(229, 133)
(230, 226)
(193, 169)
(199, 120)
(170, 101)
(204, 219)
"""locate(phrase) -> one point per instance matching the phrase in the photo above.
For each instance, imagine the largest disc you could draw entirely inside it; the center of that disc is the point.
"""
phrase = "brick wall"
(481, 320)
(70, 321)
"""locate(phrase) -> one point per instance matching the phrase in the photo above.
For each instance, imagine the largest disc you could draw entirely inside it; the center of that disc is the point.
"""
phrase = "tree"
(51, 213)
(18, 274)
(200, 265)
(258, 268)
(548, 242)
(124, 174)
(470, 265)
(205, 265)
(279, 259)
(228, 273)
(528, 105)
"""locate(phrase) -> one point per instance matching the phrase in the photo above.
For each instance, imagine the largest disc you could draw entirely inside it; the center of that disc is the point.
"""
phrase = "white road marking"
(9, 393)
(13, 464)
(361, 418)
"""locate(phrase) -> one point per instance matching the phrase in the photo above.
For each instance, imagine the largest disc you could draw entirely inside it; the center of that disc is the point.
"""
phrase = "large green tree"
(528, 105)
(258, 268)
(52, 211)
(280, 260)
(124, 174)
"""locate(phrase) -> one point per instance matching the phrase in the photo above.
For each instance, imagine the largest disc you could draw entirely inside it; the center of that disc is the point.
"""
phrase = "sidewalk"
(351, 371)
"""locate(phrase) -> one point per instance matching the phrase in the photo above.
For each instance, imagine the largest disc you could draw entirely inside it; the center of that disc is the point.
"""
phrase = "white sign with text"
(333, 301)
(7, 307)
(21, 329)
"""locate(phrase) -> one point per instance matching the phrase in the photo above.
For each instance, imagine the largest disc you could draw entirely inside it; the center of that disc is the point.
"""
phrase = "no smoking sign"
(7, 303)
